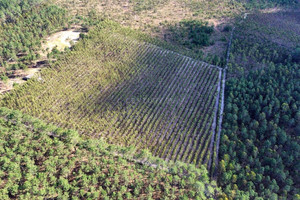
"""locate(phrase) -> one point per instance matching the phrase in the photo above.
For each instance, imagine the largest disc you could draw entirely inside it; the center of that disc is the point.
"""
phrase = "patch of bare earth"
(60, 40)
(16, 78)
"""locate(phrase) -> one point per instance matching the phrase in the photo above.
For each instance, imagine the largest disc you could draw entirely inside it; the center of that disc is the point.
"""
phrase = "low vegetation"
(116, 86)
(191, 33)
(141, 5)
(262, 39)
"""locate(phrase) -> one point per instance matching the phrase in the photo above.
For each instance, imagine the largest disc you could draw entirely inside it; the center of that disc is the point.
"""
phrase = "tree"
(296, 55)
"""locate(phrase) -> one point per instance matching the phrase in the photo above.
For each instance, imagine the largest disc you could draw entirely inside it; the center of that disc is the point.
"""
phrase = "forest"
(23, 25)
(260, 149)
(175, 99)
(39, 160)
(260, 141)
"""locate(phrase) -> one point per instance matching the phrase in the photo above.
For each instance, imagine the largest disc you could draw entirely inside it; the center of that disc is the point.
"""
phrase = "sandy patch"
(61, 40)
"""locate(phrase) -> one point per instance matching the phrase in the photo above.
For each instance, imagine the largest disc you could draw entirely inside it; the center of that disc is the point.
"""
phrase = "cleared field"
(115, 85)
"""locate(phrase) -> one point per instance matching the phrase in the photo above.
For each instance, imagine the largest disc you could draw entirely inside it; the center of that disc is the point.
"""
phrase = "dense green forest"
(260, 145)
(23, 25)
(41, 161)
(259, 150)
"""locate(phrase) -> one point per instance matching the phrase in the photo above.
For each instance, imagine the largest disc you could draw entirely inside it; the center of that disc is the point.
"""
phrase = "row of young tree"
(173, 105)
(23, 25)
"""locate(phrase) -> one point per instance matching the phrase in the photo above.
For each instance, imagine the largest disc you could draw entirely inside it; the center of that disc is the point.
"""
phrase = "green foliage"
(24, 24)
(260, 126)
(4, 78)
(117, 85)
(296, 55)
(260, 144)
(191, 33)
(39, 161)
(227, 28)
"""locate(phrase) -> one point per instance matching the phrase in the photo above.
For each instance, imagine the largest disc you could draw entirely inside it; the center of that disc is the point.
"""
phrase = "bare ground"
(60, 40)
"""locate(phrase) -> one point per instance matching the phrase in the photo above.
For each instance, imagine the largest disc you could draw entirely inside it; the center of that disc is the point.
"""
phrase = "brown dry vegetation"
(153, 20)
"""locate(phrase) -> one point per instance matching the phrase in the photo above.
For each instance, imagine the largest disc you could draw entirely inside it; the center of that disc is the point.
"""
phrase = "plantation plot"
(116, 86)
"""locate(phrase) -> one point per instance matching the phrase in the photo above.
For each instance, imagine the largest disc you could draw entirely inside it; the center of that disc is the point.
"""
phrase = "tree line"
(42, 161)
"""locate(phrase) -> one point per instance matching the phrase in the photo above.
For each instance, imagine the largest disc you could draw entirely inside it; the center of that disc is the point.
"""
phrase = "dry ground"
(60, 40)
(154, 20)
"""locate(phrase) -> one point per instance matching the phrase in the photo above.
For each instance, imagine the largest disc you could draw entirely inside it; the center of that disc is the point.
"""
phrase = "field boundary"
(217, 123)
(221, 113)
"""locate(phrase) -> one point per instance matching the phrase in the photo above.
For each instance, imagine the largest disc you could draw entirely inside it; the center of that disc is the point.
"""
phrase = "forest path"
(221, 113)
